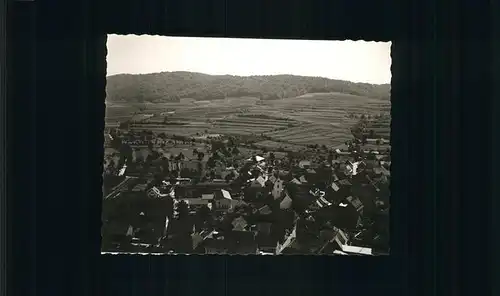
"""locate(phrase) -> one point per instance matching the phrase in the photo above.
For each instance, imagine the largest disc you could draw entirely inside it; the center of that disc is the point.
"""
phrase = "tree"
(165, 165)
(182, 210)
(216, 145)
(226, 151)
(330, 157)
(211, 162)
(201, 155)
(364, 139)
(204, 215)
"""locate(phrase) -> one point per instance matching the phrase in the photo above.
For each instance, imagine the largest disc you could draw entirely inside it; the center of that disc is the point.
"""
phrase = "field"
(322, 118)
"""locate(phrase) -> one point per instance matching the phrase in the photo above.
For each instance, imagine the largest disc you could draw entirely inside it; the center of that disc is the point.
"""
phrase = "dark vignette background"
(441, 117)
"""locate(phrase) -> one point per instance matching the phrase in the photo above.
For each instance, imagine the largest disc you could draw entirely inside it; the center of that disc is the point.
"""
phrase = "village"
(218, 194)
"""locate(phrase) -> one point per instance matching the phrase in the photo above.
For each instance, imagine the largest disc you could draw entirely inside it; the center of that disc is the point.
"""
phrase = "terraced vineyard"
(323, 119)
(380, 127)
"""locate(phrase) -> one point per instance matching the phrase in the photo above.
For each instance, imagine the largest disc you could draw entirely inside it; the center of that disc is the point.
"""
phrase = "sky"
(356, 61)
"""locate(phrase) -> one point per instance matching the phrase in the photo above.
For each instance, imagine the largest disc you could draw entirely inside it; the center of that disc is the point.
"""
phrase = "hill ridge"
(172, 86)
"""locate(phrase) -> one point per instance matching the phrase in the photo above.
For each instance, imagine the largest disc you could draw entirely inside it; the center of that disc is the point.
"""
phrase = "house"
(311, 171)
(195, 201)
(225, 201)
(289, 240)
(338, 190)
(256, 189)
(239, 224)
(241, 242)
(140, 187)
(356, 203)
(367, 195)
(321, 202)
(265, 242)
(265, 210)
(261, 180)
(385, 171)
(301, 196)
(304, 164)
(192, 164)
(216, 246)
(207, 196)
(340, 239)
(122, 171)
(354, 250)
(286, 202)
(257, 159)
(264, 228)
(277, 189)
(194, 191)
(342, 215)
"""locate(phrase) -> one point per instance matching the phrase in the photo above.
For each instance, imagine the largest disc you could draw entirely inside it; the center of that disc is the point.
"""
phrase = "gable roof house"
(257, 188)
(344, 215)
(300, 196)
(286, 202)
(239, 224)
(264, 238)
(338, 190)
(223, 200)
(241, 242)
(367, 194)
(305, 164)
(356, 203)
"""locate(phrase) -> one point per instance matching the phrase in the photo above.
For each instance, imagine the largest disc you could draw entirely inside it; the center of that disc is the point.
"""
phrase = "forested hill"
(171, 86)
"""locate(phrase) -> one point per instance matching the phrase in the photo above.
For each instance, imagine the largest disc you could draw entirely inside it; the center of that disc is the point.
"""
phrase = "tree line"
(172, 86)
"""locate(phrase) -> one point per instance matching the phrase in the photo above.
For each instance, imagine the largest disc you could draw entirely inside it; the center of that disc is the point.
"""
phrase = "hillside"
(171, 86)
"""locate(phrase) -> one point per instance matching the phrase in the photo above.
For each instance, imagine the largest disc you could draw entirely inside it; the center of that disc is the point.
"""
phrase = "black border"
(495, 192)
(20, 159)
(3, 150)
(440, 103)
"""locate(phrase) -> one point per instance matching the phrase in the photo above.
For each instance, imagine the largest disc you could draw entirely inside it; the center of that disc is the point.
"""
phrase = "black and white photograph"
(246, 146)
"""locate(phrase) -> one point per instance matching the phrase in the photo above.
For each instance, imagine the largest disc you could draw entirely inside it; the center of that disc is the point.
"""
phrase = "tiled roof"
(344, 182)
(226, 194)
(239, 224)
(265, 210)
(264, 227)
(207, 196)
(355, 202)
